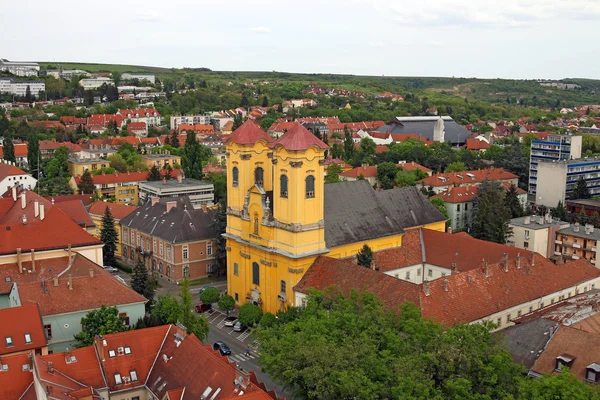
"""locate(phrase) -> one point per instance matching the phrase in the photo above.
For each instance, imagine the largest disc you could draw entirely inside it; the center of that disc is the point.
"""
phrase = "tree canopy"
(99, 322)
(491, 214)
(110, 238)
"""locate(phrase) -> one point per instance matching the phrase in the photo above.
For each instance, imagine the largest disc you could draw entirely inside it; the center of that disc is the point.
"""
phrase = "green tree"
(194, 157)
(33, 153)
(210, 295)
(9, 148)
(563, 386)
(226, 303)
(196, 324)
(386, 175)
(491, 214)
(408, 178)
(174, 141)
(560, 212)
(595, 219)
(110, 238)
(439, 203)
(250, 314)
(512, 202)
(364, 257)
(265, 101)
(582, 216)
(28, 96)
(153, 174)
(101, 321)
(349, 148)
(221, 227)
(167, 310)
(237, 121)
(219, 180)
(139, 278)
(581, 190)
(456, 166)
(367, 148)
(58, 166)
(333, 173)
(86, 185)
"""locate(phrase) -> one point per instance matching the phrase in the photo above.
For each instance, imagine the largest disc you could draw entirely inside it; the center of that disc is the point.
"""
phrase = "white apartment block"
(189, 120)
(95, 83)
(126, 76)
(20, 68)
(19, 88)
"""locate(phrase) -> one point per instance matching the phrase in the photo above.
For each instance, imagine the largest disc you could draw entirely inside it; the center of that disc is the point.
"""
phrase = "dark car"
(201, 307)
(203, 288)
(239, 327)
(230, 321)
(222, 347)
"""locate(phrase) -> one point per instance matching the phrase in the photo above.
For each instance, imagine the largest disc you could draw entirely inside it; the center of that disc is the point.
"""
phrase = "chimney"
(14, 193)
(33, 259)
(454, 269)
(179, 178)
(449, 230)
(36, 208)
(181, 331)
(68, 355)
(23, 200)
(155, 200)
(373, 265)
(518, 262)
(91, 272)
(533, 258)
(164, 180)
(69, 252)
(426, 286)
(70, 282)
(55, 279)
(505, 262)
(170, 205)
(486, 269)
(364, 166)
(19, 260)
(50, 367)
(42, 211)
(445, 285)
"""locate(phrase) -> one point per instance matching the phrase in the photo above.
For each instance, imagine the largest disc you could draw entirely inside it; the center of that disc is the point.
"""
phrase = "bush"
(268, 320)
(210, 295)
(250, 314)
(124, 267)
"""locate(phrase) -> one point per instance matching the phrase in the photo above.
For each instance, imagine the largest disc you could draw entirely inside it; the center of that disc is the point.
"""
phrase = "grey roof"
(595, 235)
(173, 183)
(526, 341)
(534, 223)
(454, 133)
(355, 212)
(181, 224)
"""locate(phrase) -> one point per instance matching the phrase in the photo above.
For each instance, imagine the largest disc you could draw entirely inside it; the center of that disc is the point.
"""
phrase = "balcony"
(558, 242)
(577, 245)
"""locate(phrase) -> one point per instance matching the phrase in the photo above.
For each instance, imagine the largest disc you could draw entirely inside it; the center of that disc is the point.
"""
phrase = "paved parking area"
(217, 319)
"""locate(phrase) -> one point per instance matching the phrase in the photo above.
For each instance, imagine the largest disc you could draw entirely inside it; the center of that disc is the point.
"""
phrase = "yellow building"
(281, 217)
(161, 160)
(78, 166)
(118, 212)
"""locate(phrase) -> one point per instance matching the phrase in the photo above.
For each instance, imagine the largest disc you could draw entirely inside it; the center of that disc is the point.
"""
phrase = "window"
(48, 331)
(508, 318)
(458, 207)
(499, 322)
(518, 313)
(127, 350)
(429, 272)
(123, 317)
(154, 246)
(124, 235)
(125, 252)
(408, 275)
(168, 271)
(590, 375)
(310, 187)
(185, 253)
(161, 249)
(255, 274)
(236, 297)
(138, 240)
(466, 206)
(236, 270)
(259, 176)
(443, 274)
(526, 235)
(132, 238)
(186, 272)
(530, 308)
(153, 265)
(283, 286)
(27, 338)
(283, 183)
(526, 245)
(9, 341)
(210, 268)
(209, 249)
(118, 380)
(418, 272)
(142, 245)
(111, 353)
(168, 252)
(160, 268)
(133, 375)
(235, 174)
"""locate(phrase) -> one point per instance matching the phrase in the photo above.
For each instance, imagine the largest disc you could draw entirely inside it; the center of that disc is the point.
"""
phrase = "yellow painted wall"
(78, 168)
(98, 222)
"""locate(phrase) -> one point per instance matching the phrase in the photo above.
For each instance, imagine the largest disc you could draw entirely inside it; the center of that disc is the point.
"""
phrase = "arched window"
(186, 272)
(259, 176)
(153, 265)
(255, 274)
(160, 268)
(310, 187)
(256, 224)
(168, 271)
(283, 183)
(235, 174)
(125, 252)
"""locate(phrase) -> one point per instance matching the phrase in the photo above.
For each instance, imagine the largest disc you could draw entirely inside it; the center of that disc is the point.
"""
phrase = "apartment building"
(78, 166)
(95, 83)
(173, 239)
(556, 180)
(19, 88)
(200, 193)
(536, 233)
(161, 160)
(148, 115)
(118, 212)
(20, 68)
(557, 147)
(576, 242)
(127, 76)
(189, 120)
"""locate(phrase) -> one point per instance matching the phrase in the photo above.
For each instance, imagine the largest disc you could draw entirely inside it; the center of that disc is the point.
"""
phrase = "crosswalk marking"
(242, 357)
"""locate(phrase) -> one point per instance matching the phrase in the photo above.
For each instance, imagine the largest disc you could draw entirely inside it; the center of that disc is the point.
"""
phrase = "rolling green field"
(102, 67)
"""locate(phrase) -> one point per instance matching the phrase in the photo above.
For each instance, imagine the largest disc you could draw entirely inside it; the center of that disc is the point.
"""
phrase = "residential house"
(137, 129)
(76, 210)
(20, 154)
(578, 241)
(200, 193)
(118, 212)
(22, 330)
(148, 115)
(556, 180)
(161, 160)
(127, 76)
(411, 166)
(536, 233)
(78, 165)
(11, 175)
(443, 182)
(162, 362)
(367, 172)
(48, 147)
(172, 238)
(479, 145)
(265, 227)
(200, 129)
(587, 206)
(436, 129)
(279, 128)
(95, 83)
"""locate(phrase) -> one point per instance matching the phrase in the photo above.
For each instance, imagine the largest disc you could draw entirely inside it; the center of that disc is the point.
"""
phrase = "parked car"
(239, 327)
(222, 347)
(230, 321)
(111, 269)
(201, 307)
(203, 288)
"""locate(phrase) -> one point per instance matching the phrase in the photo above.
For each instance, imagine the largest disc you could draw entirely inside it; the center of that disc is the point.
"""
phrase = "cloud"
(377, 44)
(490, 13)
(147, 16)
(260, 29)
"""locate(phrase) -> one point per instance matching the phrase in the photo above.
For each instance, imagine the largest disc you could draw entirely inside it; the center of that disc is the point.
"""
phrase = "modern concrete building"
(535, 233)
(19, 88)
(556, 180)
(190, 120)
(128, 76)
(577, 241)
(95, 83)
(201, 193)
(161, 160)
(20, 68)
(557, 147)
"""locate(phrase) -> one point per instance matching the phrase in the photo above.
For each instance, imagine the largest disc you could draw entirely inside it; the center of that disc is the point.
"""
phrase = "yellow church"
(281, 215)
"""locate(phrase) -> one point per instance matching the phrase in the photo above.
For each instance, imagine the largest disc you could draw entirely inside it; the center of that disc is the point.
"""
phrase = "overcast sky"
(468, 38)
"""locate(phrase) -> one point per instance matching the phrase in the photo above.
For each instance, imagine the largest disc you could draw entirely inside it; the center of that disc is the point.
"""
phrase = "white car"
(110, 269)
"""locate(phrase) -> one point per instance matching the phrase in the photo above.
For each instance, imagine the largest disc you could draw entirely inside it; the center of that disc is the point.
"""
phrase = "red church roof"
(249, 133)
(298, 138)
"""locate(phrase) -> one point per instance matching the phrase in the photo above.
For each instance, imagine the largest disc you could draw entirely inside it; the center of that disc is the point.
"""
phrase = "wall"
(93, 253)
(537, 241)
(27, 181)
(97, 219)
(551, 183)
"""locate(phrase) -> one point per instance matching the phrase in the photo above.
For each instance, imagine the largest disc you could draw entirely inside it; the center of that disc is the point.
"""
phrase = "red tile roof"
(138, 113)
(20, 150)
(56, 231)
(411, 166)
(401, 137)
(118, 211)
(467, 193)
(298, 138)
(381, 148)
(103, 120)
(475, 144)
(75, 209)
(132, 140)
(15, 381)
(18, 321)
(86, 199)
(280, 126)
(249, 133)
(69, 120)
(202, 128)
(461, 178)
(7, 170)
(46, 145)
(367, 171)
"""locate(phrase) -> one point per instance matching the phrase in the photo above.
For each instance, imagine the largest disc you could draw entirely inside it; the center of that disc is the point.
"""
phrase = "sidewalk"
(173, 288)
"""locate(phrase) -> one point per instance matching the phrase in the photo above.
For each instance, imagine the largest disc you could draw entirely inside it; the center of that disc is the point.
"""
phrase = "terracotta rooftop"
(298, 138)
(17, 322)
(118, 211)
(367, 171)
(86, 199)
(411, 166)
(467, 193)
(124, 177)
(475, 144)
(7, 170)
(15, 380)
(75, 209)
(249, 133)
(462, 178)
(20, 150)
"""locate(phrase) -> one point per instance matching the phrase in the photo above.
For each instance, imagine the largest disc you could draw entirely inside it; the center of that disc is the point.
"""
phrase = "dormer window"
(27, 338)
(563, 361)
(118, 379)
(127, 350)
(133, 375)
(9, 341)
(111, 353)
(592, 373)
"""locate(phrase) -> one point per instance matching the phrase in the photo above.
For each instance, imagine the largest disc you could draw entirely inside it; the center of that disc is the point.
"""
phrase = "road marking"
(244, 335)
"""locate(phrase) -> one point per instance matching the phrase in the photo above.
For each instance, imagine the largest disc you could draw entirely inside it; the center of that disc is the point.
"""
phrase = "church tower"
(275, 221)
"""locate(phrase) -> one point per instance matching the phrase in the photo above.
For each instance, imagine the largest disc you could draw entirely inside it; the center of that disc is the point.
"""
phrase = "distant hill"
(102, 67)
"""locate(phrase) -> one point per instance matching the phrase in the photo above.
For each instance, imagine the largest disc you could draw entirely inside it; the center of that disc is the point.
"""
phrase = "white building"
(20, 68)
(95, 83)
(132, 75)
(19, 88)
(190, 120)
(11, 175)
